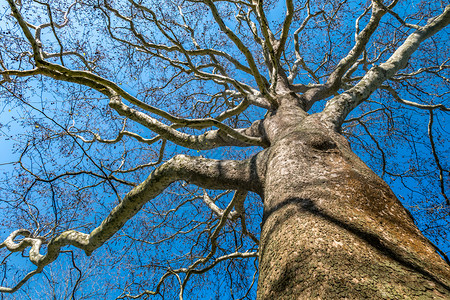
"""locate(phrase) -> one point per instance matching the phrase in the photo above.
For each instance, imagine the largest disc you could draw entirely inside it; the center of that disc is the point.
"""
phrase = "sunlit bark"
(331, 227)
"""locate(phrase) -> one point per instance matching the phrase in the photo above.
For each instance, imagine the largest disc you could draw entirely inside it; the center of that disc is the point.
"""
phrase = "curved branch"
(210, 139)
(361, 39)
(188, 66)
(177, 45)
(35, 45)
(247, 254)
(411, 103)
(436, 159)
(238, 200)
(340, 106)
(244, 50)
(207, 173)
(285, 30)
(299, 61)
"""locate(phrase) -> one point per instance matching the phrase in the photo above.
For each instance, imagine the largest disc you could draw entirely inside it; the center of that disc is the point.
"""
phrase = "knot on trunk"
(320, 142)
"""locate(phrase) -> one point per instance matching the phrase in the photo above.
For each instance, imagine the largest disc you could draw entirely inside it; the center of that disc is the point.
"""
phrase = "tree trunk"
(332, 229)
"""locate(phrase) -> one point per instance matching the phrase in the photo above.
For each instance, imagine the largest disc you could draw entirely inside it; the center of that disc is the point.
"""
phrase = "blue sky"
(45, 94)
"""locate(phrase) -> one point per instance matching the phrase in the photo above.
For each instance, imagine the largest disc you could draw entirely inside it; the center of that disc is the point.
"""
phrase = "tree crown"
(111, 91)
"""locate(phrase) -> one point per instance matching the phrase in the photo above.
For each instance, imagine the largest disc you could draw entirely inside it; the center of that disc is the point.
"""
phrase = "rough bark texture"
(332, 229)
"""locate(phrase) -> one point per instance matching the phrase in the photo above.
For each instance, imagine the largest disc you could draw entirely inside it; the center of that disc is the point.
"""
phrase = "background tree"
(154, 129)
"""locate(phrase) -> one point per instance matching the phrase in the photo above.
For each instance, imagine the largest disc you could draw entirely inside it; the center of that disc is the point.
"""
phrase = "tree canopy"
(137, 127)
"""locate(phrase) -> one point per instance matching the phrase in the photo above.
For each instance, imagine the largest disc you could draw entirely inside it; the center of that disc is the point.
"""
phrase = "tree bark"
(332, 229)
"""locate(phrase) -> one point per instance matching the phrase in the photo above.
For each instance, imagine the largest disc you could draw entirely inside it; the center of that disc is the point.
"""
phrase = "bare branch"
(250, 60)
(361, 40)
(411, 103)
(340, 106)
(238, 202)
(204, 172)
(285, 30)
(208, 140)
(299, 59)
(436, 159)
(395, 15)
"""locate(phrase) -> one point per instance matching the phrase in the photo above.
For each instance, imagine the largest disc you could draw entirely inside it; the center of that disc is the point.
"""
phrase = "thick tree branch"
(299, 59)
(238, 200)
(361, 39)
(208, 140)
(285, 31)
(340, 106)
(244, 50)
(95, 81)
(207, 173)
(35, 45)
